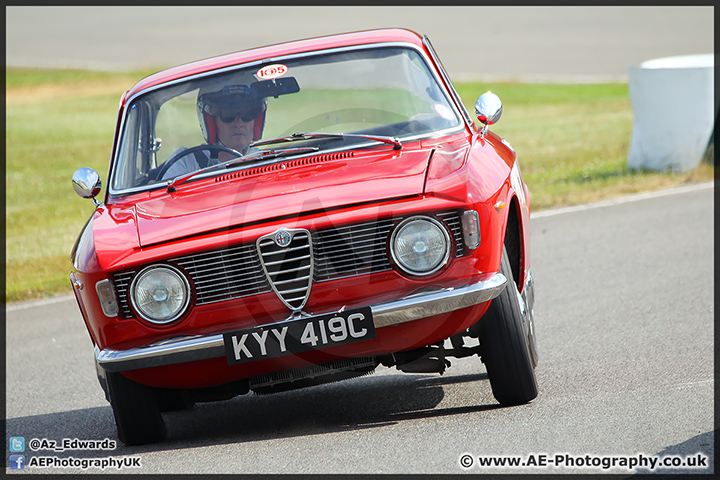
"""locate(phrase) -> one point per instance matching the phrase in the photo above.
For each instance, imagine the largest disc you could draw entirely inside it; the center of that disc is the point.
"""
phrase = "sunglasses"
(245, 114)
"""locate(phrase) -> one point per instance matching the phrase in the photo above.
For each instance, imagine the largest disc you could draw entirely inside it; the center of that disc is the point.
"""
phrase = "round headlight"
(420, 245)
(160, 294)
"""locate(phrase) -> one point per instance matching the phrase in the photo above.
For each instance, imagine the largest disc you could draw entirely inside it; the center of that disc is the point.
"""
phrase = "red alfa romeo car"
(299, 214)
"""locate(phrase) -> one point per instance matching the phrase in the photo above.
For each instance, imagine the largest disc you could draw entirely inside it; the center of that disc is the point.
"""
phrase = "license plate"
(297, 336)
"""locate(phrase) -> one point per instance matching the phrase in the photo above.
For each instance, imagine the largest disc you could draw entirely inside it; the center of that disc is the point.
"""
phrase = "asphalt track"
(624, 311)
(570, 43)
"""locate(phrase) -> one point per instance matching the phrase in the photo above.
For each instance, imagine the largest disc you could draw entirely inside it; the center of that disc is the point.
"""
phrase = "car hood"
(280, 190)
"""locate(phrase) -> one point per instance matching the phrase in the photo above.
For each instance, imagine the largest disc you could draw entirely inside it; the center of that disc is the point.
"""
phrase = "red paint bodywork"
(466, 171)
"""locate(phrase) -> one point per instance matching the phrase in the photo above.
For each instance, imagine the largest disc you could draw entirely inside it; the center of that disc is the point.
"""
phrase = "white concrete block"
(674, 112)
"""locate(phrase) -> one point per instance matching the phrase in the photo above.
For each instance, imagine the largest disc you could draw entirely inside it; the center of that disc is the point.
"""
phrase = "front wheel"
(504, 344)
(136, 411)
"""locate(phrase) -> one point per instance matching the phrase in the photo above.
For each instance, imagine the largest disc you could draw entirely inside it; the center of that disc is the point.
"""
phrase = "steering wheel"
(190, 151)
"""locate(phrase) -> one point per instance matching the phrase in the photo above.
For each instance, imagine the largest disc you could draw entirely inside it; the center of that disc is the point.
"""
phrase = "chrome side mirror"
(488, 109)
(87, 183)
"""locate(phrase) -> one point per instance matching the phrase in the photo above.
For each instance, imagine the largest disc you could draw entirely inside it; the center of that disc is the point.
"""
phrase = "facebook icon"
(17, 462)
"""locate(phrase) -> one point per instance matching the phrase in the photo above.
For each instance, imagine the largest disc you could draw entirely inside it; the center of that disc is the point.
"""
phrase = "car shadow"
(361, 403)
(690, 451)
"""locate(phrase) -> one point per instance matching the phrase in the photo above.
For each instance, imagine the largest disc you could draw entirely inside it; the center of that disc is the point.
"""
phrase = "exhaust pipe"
(432, 361)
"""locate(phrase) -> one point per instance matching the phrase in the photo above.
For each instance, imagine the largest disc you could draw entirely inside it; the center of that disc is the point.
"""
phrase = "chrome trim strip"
(413, 307)
(450, 86)
(178, 350)
(427, 304)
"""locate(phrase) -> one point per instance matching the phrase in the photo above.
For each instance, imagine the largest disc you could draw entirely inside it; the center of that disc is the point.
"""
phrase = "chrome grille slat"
(295, 299)
(122, 286)
(366, 236)
(203, 283)
(225, 274)
(220, 270)
(288, 266)
(294, 290)
(289, 249)
(215, 276)
(218, 262)
(365, 252)
(352, 250)
(292, 280)
(280, 262)
(369, 245)
(454, 222)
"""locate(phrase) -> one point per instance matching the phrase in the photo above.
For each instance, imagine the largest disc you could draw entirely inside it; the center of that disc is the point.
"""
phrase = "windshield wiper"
(252, 157)
(299, 136)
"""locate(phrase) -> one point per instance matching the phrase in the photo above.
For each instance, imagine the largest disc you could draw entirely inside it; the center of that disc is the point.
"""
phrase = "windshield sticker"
(443, 111)
(272, 71)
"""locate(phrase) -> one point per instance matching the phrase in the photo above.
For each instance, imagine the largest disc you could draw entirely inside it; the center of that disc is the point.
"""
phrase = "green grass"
(572, 142)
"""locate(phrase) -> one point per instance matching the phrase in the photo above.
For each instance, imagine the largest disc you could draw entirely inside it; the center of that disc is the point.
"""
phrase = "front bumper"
(413, 307)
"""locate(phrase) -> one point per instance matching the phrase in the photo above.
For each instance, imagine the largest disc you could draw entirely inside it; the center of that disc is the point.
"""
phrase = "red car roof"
(310, 44)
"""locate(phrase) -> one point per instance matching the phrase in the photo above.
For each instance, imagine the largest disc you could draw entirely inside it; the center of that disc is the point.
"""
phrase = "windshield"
(386, 91)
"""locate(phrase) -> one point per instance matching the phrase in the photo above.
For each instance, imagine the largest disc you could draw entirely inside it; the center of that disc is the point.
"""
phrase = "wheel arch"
(513, 241)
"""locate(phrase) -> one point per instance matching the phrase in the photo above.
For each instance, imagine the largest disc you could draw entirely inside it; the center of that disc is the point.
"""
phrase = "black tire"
(504, 345)
(136, 411)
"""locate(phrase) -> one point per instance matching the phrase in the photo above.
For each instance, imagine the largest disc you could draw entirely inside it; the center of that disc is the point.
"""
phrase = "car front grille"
(289, 267)
(122, 286)
(312, 257)
(224, 274)
(454, 221)
(352, 250)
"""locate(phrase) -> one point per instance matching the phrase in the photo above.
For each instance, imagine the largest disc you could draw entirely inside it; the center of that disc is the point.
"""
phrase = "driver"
(229, 116)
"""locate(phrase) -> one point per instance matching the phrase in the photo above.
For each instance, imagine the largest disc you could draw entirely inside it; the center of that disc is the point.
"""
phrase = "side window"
(177, 125)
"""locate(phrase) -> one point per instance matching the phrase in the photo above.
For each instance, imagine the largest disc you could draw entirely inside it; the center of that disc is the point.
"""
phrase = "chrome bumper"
(193, 348)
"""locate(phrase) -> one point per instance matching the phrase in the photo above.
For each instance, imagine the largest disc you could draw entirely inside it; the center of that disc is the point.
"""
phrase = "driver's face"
(236, 134)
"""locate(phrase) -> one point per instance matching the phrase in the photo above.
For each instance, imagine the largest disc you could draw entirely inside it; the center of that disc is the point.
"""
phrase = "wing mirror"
(87, 183)
(488, 109)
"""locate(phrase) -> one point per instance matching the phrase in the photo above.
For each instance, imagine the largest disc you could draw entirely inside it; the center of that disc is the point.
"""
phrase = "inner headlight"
(420, 245)
(160, 294)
